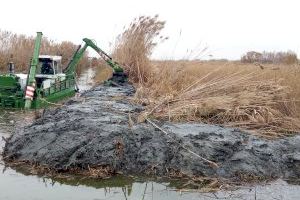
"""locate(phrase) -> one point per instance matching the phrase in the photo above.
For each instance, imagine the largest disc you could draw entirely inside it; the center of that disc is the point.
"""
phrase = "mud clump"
(94, 130)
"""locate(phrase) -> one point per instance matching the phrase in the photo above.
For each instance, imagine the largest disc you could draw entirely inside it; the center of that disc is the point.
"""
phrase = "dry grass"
(222, 93)
(261, 99)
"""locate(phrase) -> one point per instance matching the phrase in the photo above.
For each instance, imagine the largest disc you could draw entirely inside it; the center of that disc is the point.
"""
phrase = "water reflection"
(17, 186)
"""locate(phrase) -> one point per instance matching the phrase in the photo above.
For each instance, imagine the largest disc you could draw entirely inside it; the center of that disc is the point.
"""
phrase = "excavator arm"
(70, 69)
(117, 69)
(114, 65)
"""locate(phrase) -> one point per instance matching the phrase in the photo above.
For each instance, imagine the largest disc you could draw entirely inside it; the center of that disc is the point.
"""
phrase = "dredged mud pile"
(95, 130)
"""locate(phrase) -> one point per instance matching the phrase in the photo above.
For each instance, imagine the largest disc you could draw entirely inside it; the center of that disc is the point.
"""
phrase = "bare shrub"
(288, 57)
(251, 57)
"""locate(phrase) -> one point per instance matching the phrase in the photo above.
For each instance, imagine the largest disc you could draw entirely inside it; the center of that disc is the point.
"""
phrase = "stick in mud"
(211, 163)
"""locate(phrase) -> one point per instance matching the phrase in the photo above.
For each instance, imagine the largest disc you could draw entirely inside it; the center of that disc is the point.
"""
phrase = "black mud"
(95, 130)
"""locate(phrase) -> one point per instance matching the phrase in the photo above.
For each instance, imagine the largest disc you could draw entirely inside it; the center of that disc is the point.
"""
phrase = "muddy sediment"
(95, 130)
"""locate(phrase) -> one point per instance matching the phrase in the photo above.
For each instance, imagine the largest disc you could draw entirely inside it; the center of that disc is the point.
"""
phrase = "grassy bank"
(262, 101)
(261, 98)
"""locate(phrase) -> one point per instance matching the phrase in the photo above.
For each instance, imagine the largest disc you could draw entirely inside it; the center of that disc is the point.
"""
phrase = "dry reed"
(228, 93)
(135, 45)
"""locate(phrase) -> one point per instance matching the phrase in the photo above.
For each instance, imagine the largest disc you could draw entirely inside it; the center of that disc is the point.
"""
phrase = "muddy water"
(85, 81)
(17, 185)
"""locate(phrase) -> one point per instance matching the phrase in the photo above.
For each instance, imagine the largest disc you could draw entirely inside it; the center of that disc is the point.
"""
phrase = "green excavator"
(47, 82)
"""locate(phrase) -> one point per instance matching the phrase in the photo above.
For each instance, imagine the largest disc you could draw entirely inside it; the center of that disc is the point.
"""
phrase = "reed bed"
(262, 99)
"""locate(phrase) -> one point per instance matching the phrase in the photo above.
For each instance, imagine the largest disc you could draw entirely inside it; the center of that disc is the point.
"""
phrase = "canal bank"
(100, 130)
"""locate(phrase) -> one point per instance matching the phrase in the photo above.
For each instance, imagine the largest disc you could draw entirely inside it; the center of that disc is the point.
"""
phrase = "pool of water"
(18, 185)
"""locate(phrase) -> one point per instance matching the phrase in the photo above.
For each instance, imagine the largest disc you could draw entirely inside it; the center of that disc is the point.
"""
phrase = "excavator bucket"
(117, 79)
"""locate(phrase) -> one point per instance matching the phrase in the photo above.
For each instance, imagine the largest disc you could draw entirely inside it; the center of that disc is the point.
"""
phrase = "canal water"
(18, 185)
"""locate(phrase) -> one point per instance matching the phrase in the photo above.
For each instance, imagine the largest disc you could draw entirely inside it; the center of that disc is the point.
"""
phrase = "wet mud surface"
(99, 129)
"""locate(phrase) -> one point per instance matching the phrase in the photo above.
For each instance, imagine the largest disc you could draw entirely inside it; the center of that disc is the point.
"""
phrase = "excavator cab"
(48, 71)
(49, 65)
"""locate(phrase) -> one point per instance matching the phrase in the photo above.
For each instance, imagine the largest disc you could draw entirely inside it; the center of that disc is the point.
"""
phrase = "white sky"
(228, 27)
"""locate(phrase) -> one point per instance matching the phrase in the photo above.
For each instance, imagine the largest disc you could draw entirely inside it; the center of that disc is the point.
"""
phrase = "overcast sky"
(227, 27)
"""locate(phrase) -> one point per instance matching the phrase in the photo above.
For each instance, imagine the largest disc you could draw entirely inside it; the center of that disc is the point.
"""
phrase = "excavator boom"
(70, 70)
(114, 65)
